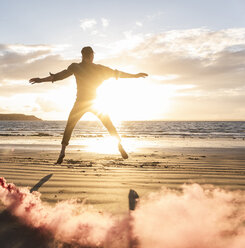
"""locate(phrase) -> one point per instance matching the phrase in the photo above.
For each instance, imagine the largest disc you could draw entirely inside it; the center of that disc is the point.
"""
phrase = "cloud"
(23, 48)
(105, 22)
(86, 24)
(139, 24)
(198, 43)
(154, 16)
(19, 103)
(47, 105)
(20, 62)
(212, 62)
(205, 58)
(91, 26)
(208, 107)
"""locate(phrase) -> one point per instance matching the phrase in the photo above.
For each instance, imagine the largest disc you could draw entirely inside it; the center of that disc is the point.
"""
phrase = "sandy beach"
(103, 180)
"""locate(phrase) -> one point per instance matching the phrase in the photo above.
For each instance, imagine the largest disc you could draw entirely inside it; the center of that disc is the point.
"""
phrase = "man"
(88, 77)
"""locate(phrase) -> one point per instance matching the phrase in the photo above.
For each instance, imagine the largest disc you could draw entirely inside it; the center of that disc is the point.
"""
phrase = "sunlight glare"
(107, 145)
(133, 99)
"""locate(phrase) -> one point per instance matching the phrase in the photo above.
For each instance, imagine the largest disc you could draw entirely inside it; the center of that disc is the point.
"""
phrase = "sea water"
(134, 129)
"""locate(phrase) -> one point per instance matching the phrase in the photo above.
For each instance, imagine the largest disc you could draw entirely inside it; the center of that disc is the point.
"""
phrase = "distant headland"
(18, 117)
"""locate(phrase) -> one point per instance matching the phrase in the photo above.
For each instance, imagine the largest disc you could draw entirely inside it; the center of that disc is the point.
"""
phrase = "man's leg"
(76, 113)
(106, 121)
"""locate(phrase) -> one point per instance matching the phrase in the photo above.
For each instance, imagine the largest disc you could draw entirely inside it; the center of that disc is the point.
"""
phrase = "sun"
(132, 99)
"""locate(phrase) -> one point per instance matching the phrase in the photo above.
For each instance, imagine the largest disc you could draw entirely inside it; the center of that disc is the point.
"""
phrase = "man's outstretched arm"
(122, 74)
(53, 77)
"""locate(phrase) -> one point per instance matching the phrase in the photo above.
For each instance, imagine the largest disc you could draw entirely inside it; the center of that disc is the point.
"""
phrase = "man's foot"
(122, 151)
(60, 159)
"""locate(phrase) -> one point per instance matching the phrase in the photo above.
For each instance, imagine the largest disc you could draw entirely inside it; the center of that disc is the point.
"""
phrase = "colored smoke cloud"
(198, 217)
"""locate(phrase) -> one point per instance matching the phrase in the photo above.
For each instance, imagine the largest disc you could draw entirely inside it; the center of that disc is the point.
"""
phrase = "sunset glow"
(107, 145)
(133, 99)
(195, 63)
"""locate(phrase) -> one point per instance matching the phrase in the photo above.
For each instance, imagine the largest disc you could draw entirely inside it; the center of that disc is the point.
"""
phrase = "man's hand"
(35, 80)
(141, 75)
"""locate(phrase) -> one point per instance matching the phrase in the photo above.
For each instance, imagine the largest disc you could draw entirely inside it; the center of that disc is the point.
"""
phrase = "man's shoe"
(60, 159)
(122, 151)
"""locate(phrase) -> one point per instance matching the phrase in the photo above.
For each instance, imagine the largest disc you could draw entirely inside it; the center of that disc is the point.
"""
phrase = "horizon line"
(160, 120)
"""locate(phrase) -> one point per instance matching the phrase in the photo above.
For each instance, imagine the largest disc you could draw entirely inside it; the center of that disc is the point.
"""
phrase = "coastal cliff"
(18, 117)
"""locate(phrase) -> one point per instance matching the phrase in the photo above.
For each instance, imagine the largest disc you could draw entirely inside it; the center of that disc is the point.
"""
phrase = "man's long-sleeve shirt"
(88, 77)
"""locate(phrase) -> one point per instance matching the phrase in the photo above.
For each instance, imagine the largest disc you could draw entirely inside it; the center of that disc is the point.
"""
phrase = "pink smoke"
(67, 221)
(195, 217)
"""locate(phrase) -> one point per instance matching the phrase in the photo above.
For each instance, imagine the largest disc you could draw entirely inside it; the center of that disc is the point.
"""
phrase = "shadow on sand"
(40, 183)
(14, 234)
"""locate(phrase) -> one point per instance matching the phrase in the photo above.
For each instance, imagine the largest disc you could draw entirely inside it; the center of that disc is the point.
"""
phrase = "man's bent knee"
(64, 143)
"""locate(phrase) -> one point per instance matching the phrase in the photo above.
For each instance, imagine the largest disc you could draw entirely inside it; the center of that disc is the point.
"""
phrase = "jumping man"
(88, 77)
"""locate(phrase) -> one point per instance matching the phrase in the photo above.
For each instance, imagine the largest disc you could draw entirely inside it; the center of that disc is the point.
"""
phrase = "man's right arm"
(53, 77)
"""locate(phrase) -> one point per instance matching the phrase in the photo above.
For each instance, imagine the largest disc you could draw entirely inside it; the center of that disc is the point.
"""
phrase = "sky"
(193, 51)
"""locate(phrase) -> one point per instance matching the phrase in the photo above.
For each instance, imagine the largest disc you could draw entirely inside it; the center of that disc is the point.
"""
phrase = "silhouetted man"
(88, 77)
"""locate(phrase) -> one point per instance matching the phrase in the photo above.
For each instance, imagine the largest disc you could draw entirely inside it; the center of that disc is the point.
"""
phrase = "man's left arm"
(108, 72)
(121, 74)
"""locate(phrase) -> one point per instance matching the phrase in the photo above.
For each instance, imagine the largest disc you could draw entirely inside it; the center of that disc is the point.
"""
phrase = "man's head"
(87, 54)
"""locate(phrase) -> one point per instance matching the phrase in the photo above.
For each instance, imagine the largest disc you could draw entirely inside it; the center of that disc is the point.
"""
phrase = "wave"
(130, 129)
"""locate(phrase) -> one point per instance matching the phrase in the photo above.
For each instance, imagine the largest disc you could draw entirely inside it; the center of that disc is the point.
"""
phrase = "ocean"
(134, 129)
